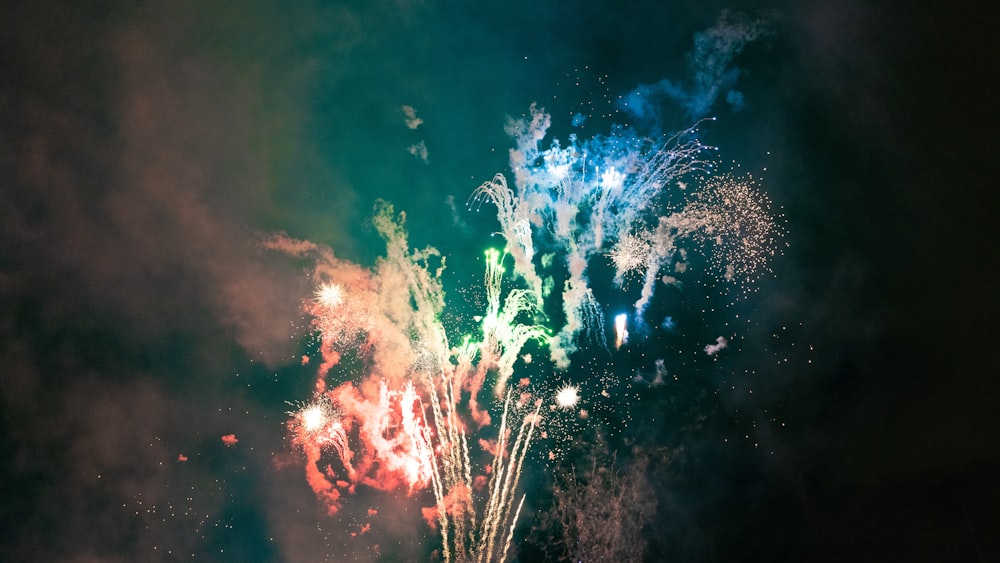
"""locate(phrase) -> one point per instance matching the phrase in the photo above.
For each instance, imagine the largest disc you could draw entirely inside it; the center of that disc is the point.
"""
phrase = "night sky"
(146, 150)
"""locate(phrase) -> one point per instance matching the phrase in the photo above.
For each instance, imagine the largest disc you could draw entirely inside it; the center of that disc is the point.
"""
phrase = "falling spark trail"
(505, 481)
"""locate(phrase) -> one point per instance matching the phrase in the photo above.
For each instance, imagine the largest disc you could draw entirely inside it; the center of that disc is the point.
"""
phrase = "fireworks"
(405, 423)
(630, 256)
(581, 196)
(312, 418)
(400, 428)
(503, 336)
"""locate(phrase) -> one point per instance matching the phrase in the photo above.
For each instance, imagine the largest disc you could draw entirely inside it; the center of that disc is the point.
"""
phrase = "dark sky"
(146, 149)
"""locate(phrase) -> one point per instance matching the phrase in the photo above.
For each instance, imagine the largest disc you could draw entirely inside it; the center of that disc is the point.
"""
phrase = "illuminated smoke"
(711, 70)
(720, 344)
(412, 121)
(515, 225)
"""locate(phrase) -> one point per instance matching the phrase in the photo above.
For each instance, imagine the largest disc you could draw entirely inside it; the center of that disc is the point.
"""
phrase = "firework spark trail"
(646, 170)
(583, 315)
(438, 486)
(512, 336)
(515, 227)
(504, 482)
(510, 536)
(456, 478)
(420, 450)
(453, 472)
(489, 516)
(503, 335)
(661, 253)
(492, 282)
(443, 482)
(519, 455)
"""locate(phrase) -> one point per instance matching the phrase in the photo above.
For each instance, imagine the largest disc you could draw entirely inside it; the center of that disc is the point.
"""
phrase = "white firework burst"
(568, 396)
(329, 295)
(630, 255)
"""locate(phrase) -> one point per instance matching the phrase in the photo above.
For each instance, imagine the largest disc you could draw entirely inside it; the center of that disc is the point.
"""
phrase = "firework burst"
(567, 396)
(630, 255)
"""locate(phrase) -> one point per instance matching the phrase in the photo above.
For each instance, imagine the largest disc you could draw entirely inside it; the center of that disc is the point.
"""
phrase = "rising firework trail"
(621, 331)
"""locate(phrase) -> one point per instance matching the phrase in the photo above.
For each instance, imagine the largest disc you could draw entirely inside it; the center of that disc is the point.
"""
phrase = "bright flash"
(568, 396)
(313, 417)
(621, 334)
(329, 295)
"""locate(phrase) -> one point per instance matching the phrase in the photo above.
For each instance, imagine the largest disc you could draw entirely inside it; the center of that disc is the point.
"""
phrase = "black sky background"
(144, 148)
